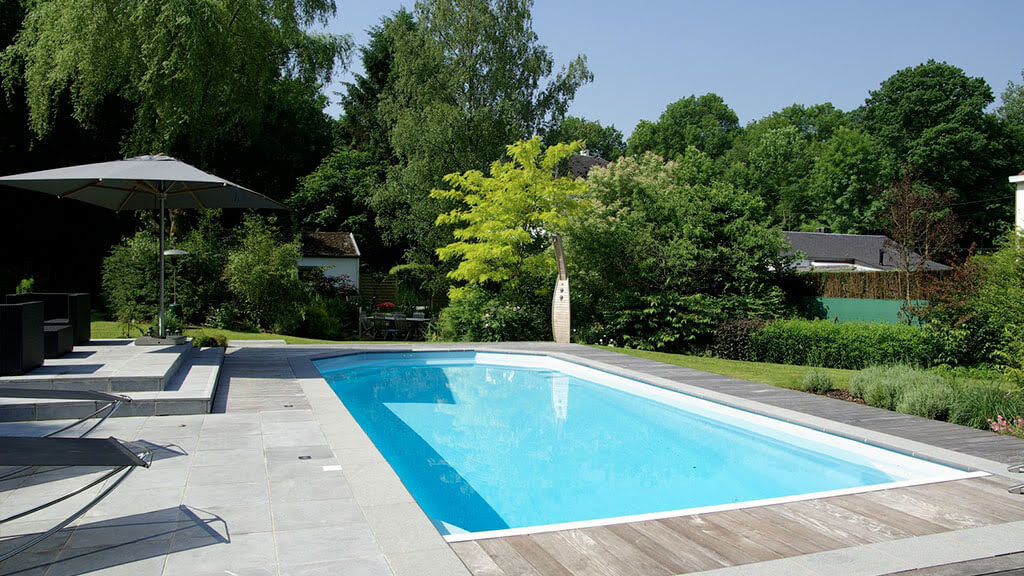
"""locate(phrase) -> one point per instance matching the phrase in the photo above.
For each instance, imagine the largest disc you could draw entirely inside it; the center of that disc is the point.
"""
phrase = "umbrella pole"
(160, 325)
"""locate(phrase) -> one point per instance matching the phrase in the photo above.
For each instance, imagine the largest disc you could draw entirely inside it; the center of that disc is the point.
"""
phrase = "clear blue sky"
(759, 56)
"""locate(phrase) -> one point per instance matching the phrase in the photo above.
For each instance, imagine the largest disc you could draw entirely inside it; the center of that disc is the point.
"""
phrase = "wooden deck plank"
(629, 553)
(506, 556)
(735, 548)
(478, 560)
(651, 548)
(537, 556)
(864, 504)
(693, 556)
(577, 561)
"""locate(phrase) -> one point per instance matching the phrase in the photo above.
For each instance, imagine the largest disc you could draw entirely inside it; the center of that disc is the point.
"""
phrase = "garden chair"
(366, 328)
(26, 453)
(403, 327)
(109, 403)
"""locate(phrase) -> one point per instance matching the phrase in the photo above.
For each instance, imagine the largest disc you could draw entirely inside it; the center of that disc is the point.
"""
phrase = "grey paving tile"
(442, 562)
(315, 513)
(227, 473)
(401, 528)
(238, 494)
(368, 566)
(374, 484)
(323, 544)
(128, 558)
(245, 554)
(318, 486)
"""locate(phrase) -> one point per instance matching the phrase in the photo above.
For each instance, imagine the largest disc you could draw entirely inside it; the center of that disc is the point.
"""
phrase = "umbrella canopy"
(143, 183)
(140, 183)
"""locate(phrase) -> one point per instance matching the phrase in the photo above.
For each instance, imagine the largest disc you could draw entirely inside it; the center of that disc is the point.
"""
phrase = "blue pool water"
(486, 446)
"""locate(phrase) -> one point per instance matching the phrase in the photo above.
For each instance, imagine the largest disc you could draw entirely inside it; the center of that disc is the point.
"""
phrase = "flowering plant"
(386, 305)
(1013, 427)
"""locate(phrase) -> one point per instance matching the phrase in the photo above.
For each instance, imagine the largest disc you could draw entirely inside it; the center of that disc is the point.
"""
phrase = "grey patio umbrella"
(143, 183)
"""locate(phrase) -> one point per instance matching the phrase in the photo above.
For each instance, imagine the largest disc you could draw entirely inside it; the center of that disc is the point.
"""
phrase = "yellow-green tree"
(504, 221)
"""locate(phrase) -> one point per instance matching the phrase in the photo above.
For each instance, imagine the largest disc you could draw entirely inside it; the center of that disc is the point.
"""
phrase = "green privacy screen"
(856, 309)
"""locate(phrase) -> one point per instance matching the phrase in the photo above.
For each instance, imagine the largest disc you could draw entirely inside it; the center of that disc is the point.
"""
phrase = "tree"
(504, 222)
(469, 79)
(776, 168)
(605, 141)
(659, 264)
(1012, 108)
(337, 196)
(363, 127)
(187, 70)
(845, 182)
(922, 226)
(263, 274)
(932, 116)
(704, 122)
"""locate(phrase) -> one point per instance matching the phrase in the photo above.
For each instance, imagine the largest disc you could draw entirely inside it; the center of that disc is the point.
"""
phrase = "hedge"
(851, 345)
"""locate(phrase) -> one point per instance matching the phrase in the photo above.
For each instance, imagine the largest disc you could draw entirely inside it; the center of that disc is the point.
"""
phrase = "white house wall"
(335, 267)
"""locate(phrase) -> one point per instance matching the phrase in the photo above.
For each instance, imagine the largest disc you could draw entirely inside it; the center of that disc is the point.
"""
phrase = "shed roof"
(329, 245)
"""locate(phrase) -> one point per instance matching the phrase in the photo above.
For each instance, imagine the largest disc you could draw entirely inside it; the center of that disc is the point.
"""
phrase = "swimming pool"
(495, 443)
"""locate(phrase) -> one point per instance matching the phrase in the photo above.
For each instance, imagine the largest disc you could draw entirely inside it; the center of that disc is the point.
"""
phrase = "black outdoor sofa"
(22, 456)
(38, 325)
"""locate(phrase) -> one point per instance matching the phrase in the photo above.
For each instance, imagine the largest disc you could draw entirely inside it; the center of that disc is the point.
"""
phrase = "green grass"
(108, 329)
(784, 375)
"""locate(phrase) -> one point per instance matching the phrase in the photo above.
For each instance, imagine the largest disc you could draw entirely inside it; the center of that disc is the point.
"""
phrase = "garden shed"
(336, 252)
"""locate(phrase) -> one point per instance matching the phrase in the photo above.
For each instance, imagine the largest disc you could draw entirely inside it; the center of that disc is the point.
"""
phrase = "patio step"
(93, 367)
(189, 390)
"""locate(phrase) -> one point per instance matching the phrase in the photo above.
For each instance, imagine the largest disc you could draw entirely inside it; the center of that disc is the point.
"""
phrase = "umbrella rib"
(196, 198)
(126, 199)
(77, 190)
(200, 189)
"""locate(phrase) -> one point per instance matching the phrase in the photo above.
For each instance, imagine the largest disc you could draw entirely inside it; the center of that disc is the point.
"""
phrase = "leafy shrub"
(326, 318)
(976, 402)
(475, 315)
(732, 338)
(209, 341)
(660, 264)
(818, 382)
(198, 277)
(979, 310)
(25, 286)
(932, 400)
(929, 394)
(851, 345)
(263, 274)
(130, 275)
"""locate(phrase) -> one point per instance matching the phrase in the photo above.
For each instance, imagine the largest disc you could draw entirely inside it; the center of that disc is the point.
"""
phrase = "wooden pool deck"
(720, 539)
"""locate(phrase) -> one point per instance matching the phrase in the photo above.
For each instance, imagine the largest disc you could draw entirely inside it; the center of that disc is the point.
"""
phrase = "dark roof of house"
(580, 165)
(870, 251)
(329, 245)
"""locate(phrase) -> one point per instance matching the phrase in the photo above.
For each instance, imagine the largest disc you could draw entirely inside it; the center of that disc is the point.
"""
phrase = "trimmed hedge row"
(851, 345)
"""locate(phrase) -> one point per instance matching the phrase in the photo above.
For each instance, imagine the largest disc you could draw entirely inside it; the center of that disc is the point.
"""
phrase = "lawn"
(784, 375)
(108, 329)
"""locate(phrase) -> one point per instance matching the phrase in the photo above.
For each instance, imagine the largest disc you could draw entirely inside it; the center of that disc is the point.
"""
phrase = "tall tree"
(845, 182)
(921, 225)
(471, 78)
(704, 122)
(362, 126)
(188, 70)
(605, 141)
(932, 117)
